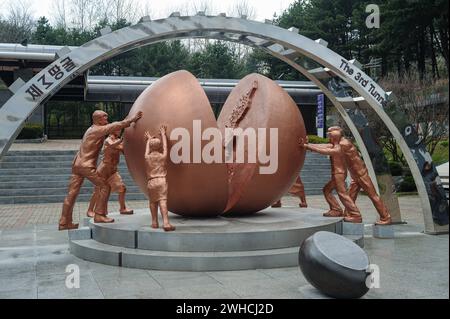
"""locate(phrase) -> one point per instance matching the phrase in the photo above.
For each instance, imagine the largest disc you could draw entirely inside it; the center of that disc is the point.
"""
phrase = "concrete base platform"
(383, 231)
(268, 239)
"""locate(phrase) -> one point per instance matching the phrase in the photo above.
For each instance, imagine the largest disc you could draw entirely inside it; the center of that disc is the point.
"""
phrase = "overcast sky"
(264, 9)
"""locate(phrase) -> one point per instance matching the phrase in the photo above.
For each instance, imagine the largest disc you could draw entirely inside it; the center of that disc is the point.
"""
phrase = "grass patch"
(440, 154)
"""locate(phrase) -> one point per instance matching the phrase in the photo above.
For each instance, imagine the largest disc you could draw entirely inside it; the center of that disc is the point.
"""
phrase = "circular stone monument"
(334, 265)
(269, 239)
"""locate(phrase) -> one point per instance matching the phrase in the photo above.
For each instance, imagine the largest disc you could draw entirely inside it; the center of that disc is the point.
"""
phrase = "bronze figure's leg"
(165, 215)
(102, 199)
(298, 190)
(353, 192)
(353, 214)
(123, 207)
(302, 196)
(277, 204)
(90, 212)
(367, 185)
(65, 222)
(335, 208)
(154, 211)
(118, 186)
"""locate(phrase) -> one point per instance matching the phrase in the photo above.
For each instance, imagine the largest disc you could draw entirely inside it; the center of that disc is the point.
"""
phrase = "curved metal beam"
(47, 82)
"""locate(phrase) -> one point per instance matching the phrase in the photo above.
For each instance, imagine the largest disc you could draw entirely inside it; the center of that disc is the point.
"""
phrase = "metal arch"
(14, 113)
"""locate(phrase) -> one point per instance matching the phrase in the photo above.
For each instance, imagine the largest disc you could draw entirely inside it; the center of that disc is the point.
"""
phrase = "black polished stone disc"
(334, 265)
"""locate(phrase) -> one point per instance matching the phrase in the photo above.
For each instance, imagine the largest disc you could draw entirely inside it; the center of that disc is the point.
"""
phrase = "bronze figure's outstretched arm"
(328, 149)
(147, 146)
(323, 150)
(164, 139)
(115, 126)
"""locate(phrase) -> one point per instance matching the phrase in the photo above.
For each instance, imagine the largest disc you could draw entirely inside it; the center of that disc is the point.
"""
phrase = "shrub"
(440, 154)
(314, 139)
(396, 168)
(31, 131)
(407, 185)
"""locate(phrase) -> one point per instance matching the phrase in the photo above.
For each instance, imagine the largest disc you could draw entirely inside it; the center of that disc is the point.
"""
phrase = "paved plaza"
(34, 257)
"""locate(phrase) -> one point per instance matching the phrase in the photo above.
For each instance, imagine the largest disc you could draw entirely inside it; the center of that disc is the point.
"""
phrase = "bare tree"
(422, 103)
(120, 10)
(60, 15)
(194, 7)
(85, 14)
(18, 23)
(241, 8)
(145, 9)
(425, 104)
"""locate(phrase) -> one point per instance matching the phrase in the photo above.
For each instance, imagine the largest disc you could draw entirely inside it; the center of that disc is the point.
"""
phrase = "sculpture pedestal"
(81, 233)
(383, 231)
(268, 239)
(353, 229)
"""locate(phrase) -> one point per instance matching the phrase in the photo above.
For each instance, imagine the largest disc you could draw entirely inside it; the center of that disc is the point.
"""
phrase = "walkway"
(33, 259)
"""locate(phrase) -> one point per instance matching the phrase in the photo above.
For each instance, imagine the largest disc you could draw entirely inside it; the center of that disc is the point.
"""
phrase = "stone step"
(313, 191)
(38, 158)
(322, 180)
(59, 184)
(63, 183)
(268, 239)
(51, 153)
(57, 155)
(44, 171)
(46, 178)
(264, 240)
(258, 232)
(54, 181)
(41, 153)
(88, 189)
(94, 251)
(66, 161)
(43, 176)
(58, 164)
(122, 169)
(42, 182)
(10, 200)
(122, 165)
(73, 152)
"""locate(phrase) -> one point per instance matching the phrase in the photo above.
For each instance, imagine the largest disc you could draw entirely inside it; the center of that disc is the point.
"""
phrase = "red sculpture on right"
(344, 155)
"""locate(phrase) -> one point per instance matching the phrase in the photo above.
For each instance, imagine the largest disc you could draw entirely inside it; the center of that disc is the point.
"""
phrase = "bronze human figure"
(298, 189)
(107, 169)
(85, 166)
(156, 172)
(361, 179)
(338, 176)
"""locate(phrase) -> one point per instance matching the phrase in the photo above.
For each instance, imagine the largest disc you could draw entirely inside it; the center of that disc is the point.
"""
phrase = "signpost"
(320, 122)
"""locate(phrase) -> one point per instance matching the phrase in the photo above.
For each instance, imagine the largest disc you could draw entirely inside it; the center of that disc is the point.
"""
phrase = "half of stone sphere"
(176, 100)
(260, 104)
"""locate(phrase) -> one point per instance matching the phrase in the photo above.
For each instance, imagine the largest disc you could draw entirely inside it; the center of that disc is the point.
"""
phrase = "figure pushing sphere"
(156, 171)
